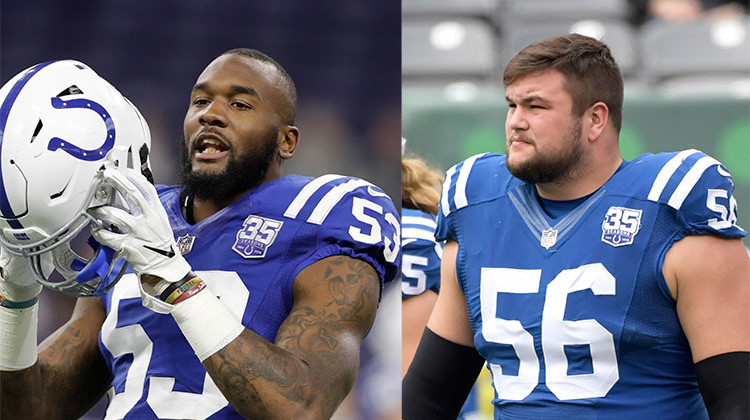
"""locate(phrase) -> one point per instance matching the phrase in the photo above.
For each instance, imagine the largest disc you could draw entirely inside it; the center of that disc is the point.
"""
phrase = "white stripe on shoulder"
(463, 178)
(666, 173)
(332, 197)
(688, 182)
(416, 233)
(416, 220)
(307, 191)
(446, 187)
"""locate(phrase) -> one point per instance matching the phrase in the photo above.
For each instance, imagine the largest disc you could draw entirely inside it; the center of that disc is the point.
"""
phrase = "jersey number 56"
(556, 333)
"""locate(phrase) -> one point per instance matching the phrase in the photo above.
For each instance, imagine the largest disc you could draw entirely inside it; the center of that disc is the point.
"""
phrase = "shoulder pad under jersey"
(696, 186)
(478, 179)
(354, 218)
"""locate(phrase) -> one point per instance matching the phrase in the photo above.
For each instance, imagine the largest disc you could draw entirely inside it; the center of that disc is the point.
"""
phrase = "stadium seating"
(617, 34)
(546, 10)
(703, 57)
(701, 47)
(472, 8)
(452, 48)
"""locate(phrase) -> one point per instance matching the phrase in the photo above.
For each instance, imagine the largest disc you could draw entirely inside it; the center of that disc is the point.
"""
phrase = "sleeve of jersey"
(700, 190)
(361, 223)
(473, 180)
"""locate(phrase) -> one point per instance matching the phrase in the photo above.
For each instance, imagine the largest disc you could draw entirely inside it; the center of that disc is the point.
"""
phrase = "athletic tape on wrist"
(206, 323)
(18, 337)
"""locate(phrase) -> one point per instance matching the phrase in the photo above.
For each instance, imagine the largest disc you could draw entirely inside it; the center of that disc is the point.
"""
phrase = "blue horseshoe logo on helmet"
(75, 151)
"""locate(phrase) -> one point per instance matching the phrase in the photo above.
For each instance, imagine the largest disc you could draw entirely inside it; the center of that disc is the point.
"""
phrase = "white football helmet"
(60, 123)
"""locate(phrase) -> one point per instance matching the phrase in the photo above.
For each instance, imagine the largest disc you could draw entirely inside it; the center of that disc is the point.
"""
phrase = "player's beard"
(242, 173)
(554, 166)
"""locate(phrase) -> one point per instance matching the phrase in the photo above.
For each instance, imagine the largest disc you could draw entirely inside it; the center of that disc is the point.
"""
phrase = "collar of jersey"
(524, 200)
(180, 225)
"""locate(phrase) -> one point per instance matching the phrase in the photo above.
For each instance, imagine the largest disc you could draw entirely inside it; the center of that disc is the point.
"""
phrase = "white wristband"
(18, 337)
(206, 323)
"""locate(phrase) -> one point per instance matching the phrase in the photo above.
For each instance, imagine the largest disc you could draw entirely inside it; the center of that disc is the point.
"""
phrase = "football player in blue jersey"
(420, 260)
(593, 287)
(420, 268)
(250, 291)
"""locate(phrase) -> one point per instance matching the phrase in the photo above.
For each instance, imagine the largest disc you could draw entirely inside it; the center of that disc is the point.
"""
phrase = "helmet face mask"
(60, 124)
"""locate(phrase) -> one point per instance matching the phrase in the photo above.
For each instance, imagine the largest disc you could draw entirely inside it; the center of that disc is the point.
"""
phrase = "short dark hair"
(591, 74)
(289, 90)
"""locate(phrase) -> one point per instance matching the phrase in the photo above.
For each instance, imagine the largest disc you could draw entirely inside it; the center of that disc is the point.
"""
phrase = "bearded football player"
(249, 292)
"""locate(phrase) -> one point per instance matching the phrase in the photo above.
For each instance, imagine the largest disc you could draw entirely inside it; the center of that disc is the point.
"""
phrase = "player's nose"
(213, 116)
(516, 120)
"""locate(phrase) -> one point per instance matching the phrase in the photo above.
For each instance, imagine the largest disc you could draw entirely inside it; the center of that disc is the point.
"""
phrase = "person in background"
(420, 261)
(420, 271)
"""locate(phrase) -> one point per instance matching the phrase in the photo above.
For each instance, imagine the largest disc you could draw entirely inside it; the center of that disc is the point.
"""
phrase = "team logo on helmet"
(256, 236)
(60, 124)
(620, 225)
(75, 151)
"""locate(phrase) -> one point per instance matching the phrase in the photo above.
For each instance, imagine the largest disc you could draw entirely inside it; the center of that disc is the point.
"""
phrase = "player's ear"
(289, 141)
(598, 115)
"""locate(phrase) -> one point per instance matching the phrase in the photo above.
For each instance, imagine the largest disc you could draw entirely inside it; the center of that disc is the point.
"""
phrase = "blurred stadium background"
(686, 65)
(342, 54)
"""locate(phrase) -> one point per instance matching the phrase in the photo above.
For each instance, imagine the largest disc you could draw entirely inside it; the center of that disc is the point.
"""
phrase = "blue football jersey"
(420, 264)
(248, 254)
(573, 314)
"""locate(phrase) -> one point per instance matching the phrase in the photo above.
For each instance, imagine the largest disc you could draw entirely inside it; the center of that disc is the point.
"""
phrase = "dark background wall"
(344, 56)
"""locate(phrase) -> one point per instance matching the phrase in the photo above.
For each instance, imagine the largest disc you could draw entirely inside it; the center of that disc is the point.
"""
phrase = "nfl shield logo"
(185, 243)
(549, 238)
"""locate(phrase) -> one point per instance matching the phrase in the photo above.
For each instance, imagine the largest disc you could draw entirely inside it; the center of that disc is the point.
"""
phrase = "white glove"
(143, 235)
(17, 283)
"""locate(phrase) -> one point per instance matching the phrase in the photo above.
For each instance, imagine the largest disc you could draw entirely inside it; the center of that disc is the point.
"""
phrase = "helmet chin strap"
(187, 208)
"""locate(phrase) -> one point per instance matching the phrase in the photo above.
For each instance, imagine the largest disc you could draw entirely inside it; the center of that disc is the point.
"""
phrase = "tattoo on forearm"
(57, 374)
(316, 352)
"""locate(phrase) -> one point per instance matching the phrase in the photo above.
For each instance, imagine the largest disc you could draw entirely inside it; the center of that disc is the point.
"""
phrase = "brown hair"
(420, 186)
(591, 73)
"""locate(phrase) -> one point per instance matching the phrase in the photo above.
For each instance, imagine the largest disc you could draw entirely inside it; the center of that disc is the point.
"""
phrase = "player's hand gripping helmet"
(60, 123)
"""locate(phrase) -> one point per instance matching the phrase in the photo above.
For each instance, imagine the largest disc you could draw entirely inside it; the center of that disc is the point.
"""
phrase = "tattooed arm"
(69, 377)
(312, 365)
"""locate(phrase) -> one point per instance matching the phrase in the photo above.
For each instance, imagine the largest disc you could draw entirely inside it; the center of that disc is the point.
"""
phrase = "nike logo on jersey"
(167, 253)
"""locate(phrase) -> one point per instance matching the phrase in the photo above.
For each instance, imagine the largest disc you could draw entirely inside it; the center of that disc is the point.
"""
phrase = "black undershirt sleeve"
(439, 379)
(724, 381)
